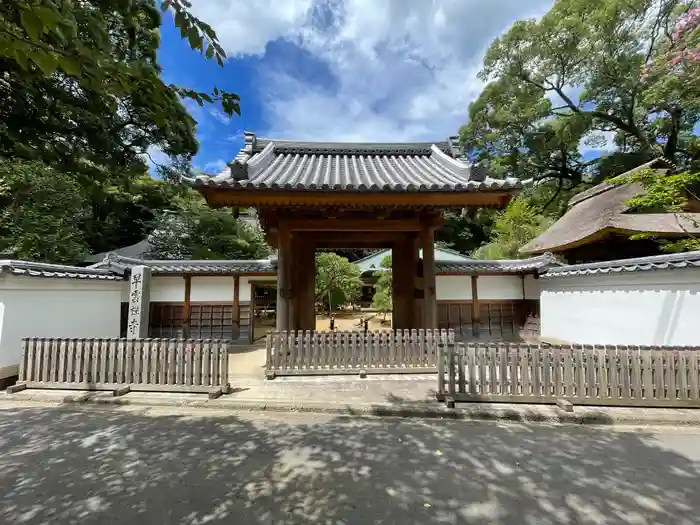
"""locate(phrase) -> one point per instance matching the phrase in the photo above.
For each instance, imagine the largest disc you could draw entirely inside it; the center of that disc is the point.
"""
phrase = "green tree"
(41, 213)
(382, 299)
(81, 90)
(338, 278)
(518, 224)
(195, 231)
(665, 194)
(577, 76)
(466, 230)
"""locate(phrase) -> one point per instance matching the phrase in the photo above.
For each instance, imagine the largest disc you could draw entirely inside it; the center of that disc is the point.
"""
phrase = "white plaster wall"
(640, 308)
(453, 288)
(40, 307)
(499, 287)
(167, 289)
(220, 288)
(532, 287)
(211, 288)
(489, 287)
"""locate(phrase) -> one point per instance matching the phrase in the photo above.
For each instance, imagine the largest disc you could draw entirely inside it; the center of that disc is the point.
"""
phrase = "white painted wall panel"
(165, 288)
(489, 287)
(532, 287)
(39, 307)
(204, 288)
(212, 288)
(126, 290)
(453, 288)
(499, 287)
(638, 308)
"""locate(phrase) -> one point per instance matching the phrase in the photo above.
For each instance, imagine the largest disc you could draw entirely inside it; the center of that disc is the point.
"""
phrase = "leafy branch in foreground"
(47, 36)
(665, 194)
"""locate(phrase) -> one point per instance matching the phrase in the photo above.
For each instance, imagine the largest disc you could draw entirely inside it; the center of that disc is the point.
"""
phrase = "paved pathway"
(131, 465)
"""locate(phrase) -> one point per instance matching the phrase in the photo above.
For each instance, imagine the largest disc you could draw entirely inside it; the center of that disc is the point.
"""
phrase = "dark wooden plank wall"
(208, 320)
(498, 320)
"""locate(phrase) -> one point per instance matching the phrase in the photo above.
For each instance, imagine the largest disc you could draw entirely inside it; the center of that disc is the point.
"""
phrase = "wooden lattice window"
(498, 319)
(165, 320)
(212, 321)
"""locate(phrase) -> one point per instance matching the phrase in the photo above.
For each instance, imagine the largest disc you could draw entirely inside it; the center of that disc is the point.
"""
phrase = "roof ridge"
(367, 257)
(606, 185)
(49, 266)
(635, 261)
(117, 258)
(544, 257)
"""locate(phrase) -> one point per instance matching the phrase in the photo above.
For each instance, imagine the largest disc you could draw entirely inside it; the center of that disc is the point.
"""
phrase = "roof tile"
(265, 164)
(656, 262)
(56, 271)
(177, 267)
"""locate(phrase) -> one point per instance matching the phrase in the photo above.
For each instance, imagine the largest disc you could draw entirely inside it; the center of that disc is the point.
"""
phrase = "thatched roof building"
(599, 222)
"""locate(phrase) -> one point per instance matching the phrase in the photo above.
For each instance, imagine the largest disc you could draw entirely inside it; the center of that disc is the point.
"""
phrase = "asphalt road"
(194, 467)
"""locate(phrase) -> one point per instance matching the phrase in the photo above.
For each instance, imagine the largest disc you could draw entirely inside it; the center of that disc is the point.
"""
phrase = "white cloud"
(245, 27)
(219, 115)
(214, 166)
(598, 142)
(155, 157)
(400, 69)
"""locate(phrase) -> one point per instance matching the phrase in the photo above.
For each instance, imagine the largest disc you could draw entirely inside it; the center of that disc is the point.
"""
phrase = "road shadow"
(110, 465)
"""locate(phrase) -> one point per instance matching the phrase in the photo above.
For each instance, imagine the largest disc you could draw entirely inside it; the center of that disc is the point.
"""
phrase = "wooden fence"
(582, 375)
(123, 365)
(335, 353)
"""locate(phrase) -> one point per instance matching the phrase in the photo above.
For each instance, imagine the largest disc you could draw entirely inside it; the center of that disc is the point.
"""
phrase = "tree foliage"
(577, 77)
(466, 230)
(667, 193)
(56, 216)
(518, 224)
(82, 106)
(337, 276)
(195, 231)
(382, 299)
(41, 213)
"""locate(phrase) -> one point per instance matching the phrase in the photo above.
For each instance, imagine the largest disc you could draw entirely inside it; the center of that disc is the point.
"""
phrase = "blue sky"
(339, 69)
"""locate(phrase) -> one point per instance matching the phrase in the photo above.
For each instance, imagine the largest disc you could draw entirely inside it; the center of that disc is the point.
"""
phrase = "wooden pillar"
(187, 307)
(417, 285)
(283, 249)
(236, 313)
(476, 310)
(429, 297)
(306, 283)
(411, 279)
(403, 280)
(293, 265)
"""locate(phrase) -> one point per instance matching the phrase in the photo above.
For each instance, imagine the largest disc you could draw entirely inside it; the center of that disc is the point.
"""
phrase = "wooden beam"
(476, 313)
(187, 307)
(219, 197)
(236, 314)
(358, 225)
(326, 236)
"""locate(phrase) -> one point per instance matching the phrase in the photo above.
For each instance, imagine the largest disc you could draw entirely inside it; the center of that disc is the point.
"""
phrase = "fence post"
(441, 370)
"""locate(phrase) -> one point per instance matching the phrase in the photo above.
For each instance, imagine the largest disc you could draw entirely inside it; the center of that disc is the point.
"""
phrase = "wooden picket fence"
(336, 353)
(123, 365)
(581, 375)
